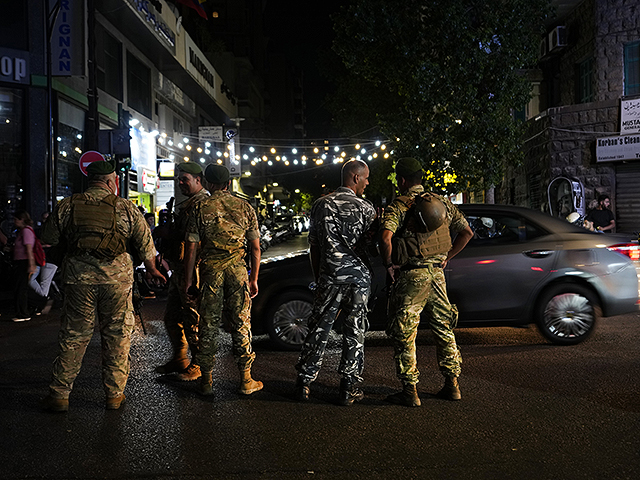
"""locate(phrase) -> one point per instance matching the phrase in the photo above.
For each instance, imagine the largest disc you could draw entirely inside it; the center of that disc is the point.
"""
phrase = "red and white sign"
(88, 158)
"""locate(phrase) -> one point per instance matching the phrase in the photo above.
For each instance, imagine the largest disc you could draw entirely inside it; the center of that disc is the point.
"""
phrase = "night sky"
(300, 29)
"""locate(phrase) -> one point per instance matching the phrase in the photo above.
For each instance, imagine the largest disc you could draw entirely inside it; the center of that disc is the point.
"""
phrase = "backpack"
(38, 251)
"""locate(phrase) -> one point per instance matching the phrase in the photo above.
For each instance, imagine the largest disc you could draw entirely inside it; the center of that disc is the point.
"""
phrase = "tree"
(443, 77)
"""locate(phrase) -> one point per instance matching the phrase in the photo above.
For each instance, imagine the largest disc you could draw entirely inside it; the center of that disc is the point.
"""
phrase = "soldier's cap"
(217, 174)
(407, 166)
(191, 167)
(100, 168)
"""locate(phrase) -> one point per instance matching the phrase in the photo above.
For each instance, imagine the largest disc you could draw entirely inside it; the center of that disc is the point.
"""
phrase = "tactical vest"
(408, 241)
(93, 228)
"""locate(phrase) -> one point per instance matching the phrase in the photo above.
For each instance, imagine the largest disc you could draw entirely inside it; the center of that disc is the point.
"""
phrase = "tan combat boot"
(114, 403)
(192, 372)
(247, 384)
(407, 397)
(451, 389)
(53, 404)
(206, 384)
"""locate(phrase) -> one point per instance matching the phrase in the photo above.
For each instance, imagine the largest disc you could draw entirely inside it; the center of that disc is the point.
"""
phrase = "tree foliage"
(442, 78)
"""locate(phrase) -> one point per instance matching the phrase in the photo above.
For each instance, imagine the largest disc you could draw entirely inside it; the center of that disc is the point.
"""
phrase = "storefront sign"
(199, 67)
(622, 147)
(67, 39)
(155, 22)
(630, 116)
(166, 169)
(149, 180)
(14, 66)
(210, 134)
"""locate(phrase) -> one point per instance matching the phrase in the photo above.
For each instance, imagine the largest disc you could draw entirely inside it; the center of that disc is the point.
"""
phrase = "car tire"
(567, 314)
(287, 320)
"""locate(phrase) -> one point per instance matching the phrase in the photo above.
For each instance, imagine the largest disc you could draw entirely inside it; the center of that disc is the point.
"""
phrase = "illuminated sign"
(14, 66)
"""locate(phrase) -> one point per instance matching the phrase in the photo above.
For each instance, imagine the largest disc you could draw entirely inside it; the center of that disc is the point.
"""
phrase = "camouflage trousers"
(181, 318)
(414, 291)
(328, 302)
(112, 307)
(225, 301)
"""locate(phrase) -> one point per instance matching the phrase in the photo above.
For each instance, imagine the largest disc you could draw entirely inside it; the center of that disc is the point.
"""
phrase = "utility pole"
(52, 171)
(92, 123)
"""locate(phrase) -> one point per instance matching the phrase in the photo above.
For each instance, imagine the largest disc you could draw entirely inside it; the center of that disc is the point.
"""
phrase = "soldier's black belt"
(414, 267)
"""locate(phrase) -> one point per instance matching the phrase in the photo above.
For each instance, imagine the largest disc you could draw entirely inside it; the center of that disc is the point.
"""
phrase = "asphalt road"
(530, 410)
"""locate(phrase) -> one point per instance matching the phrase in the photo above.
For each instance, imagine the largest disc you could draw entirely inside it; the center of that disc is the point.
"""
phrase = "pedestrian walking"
(97, 229)
(415, 247)
(24, 263)
(222, 224)
(337, 246)
(181, 317)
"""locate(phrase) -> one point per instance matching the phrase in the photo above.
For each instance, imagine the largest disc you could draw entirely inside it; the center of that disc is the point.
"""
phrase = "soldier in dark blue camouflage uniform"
(339, 225)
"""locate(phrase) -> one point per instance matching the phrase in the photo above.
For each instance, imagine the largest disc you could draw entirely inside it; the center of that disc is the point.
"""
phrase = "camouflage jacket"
(222, 223)
(394, 217)
(339, 221)
(174, 252)
(87, 269)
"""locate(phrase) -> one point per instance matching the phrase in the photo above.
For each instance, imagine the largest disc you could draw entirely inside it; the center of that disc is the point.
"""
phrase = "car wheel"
(287, 322)
(567, 314)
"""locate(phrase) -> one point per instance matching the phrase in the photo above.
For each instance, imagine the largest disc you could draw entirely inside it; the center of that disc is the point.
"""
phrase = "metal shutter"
(627, 207)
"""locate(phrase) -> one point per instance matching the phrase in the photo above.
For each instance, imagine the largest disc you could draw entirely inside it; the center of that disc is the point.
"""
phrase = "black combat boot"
(407, 397)
(349, 393)
(451, 389)
(302, 391)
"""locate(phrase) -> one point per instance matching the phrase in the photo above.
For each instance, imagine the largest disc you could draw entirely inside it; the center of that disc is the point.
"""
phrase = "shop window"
(138, 85)
(632, 69)
(11, 153)
(109, 62)
(69, 144)
(584, 81)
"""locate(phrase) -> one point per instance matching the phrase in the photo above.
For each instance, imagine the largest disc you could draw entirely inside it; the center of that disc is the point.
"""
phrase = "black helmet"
(430, 212)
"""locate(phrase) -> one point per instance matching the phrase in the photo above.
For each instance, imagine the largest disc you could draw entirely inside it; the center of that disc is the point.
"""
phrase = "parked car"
(521, 267)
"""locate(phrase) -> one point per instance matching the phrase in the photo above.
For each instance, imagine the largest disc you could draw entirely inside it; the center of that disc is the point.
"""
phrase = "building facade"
(588, 76)
(128, 80)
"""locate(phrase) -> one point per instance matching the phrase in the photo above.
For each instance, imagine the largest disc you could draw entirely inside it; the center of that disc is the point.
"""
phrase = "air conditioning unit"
(557, 38)
(542, 50)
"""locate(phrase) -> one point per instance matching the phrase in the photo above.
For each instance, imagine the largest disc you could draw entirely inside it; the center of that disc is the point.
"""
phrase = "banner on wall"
(67, 39)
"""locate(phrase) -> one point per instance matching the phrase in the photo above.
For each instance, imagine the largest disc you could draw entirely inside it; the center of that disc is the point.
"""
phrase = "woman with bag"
(24, 263)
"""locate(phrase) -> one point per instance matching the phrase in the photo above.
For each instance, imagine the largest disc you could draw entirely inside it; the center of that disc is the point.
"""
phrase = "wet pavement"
(530, 410)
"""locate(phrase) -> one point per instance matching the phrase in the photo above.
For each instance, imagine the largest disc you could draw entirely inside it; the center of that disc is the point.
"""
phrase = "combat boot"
(247, 384)
(349, 393)
(206, 384)
(451, 389)
(173, 366)
(53, 404)
(302, 390)
(192, 372)
(407, 397)
(114, 403)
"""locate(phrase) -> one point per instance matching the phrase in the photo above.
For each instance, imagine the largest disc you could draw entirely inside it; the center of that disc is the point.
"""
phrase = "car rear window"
(501, 228)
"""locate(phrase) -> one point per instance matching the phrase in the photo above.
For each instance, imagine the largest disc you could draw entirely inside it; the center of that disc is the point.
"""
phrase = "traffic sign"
(88, 158)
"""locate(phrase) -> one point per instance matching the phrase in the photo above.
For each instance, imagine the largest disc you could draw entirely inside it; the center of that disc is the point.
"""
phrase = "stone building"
(588, 76)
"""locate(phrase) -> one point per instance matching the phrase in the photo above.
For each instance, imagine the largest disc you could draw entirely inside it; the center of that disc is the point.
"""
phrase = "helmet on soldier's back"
(430, 212)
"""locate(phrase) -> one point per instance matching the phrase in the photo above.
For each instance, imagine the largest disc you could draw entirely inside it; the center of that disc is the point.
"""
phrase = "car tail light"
(631, 250)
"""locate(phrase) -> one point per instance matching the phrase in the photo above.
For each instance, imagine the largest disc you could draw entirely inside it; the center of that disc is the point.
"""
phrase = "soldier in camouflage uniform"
(339, 225)
(222, 223)
(421, 284)
(181, 314)
(95, 229)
